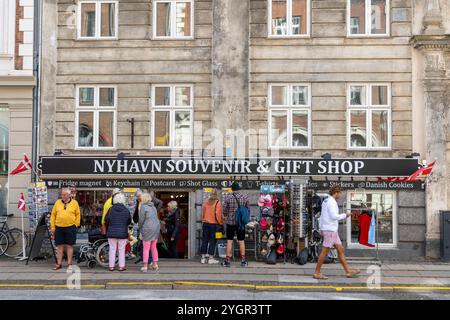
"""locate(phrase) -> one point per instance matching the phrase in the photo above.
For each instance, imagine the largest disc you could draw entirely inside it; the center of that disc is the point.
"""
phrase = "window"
(289, 18)
(289, 116)
(96, 117)
(173, 19)
(368, 17)
(172, 116)
(97, 19)
(369, 116)
(380, 203)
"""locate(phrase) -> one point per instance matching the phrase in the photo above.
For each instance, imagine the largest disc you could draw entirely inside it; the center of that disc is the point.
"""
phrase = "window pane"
(380, 128)
(162, 128)
(106, 129)
(385, 219)
(379, 95)
(299, 16)
(279, 17)
(108, 20)
(357, 95)
(107, 97)
(163, 19)
(86, 97)
(358, 128)
(183, 129)
(358, 17)
(183, 22)
(182, 96)
(299, 95)
(279, 95)
(279, 128)
(300, 128)
(162, 96)
(86, 129)
(378, 16)
(88, 19)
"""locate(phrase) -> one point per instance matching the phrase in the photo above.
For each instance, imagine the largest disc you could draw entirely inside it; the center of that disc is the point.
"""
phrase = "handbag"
(105, 225)
(219, 227)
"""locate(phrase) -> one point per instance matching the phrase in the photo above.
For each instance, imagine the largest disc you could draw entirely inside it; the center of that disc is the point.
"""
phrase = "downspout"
(36, 90)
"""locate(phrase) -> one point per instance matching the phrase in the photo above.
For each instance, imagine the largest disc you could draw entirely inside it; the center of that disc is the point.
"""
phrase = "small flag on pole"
(23, 166)
(21, 205)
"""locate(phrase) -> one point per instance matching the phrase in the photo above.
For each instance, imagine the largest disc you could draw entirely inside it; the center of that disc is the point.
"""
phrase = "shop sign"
(274, 186)
(62, 166)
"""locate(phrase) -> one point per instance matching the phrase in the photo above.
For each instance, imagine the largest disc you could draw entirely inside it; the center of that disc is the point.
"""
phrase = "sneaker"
(244, 264)
(213, 261)
(143, 269)
(226, 263)
(203, 260)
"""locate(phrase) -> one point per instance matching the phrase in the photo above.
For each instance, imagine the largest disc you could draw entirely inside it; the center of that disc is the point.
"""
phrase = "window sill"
(98, 39)
(363, 36)
(303, 36)
(370, 149)
(173, 38)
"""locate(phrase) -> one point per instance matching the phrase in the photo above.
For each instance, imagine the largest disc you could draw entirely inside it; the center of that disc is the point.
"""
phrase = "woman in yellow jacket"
(64, 221)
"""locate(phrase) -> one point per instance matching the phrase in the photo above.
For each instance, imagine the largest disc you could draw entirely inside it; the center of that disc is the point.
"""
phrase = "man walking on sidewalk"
(329, 224)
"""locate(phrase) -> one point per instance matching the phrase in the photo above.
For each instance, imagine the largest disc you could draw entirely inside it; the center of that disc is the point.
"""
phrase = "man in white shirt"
(329, 224)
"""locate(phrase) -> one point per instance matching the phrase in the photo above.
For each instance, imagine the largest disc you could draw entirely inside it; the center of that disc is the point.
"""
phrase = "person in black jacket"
(118, 219)
(173, 227)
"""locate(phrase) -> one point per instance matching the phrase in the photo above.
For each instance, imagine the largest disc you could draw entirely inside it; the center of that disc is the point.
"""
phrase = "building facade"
(276, 78)
(16, 98)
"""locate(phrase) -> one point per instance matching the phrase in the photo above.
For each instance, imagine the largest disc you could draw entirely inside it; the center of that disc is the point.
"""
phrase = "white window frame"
(394, 243)
(98, 20)
(173, 15)
(289, 21)
(368, 108)
(368, 21)
(172, 109)
(289, 108)
(96, 110)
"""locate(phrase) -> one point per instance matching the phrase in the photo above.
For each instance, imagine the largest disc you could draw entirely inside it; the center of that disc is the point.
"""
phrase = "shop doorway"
(182, 199)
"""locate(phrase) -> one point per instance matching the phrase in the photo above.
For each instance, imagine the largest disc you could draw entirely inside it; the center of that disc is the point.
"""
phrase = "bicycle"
(11, 239)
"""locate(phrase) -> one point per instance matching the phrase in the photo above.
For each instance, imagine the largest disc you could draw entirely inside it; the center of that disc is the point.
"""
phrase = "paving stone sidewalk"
(192, 273)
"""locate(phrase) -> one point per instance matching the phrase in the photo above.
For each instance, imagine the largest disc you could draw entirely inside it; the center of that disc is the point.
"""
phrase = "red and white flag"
(21, 205)
(23, 166)
(424, 171)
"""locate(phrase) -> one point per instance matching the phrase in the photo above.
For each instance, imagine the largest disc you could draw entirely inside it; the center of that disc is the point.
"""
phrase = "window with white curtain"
(369, 116)
(97, 19)
(289, 116)
(173, 19)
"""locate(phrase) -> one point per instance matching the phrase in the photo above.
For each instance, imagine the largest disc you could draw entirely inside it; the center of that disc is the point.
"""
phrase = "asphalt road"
(133, 294)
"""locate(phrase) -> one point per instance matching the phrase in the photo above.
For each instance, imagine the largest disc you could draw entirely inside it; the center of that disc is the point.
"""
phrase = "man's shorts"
(330, 238)
(65, 235)
(232, 231)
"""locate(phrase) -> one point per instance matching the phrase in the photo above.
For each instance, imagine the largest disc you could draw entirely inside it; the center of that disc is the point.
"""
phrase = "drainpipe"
(36, 89)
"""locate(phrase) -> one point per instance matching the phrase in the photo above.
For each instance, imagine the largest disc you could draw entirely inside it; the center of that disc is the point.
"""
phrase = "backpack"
(242, 215)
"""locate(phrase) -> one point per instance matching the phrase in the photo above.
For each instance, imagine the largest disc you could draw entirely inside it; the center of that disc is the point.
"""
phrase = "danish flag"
(24, 165)
(21, 205)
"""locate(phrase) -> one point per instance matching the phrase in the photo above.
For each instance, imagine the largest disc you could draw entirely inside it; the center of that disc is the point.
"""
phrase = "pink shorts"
(330, 238)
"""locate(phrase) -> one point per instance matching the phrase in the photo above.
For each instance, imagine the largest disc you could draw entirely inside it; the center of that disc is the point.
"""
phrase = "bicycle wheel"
(4, 243)
(15, 246)
(102, 255)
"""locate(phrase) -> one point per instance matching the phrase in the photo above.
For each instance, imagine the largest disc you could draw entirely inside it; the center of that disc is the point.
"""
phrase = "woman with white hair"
(149, 227)
(173, 227)
(117, 220)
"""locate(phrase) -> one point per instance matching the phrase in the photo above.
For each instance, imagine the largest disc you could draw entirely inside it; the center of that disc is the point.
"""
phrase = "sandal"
(320, 276)
(112, 269)
(57, 267)
(155, 268)
(122, 269)
(353, 274)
